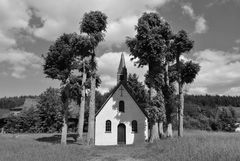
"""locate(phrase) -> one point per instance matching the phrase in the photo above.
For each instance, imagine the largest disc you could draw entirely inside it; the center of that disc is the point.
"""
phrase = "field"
(194, 146)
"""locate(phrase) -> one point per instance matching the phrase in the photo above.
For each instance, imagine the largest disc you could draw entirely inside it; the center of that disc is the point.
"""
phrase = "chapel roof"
(130, 93)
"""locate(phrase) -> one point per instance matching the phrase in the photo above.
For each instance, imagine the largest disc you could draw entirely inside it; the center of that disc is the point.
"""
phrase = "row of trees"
(156, 46)
(71, 59)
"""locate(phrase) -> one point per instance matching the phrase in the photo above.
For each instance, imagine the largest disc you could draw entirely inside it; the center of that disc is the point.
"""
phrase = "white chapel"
(120, 120)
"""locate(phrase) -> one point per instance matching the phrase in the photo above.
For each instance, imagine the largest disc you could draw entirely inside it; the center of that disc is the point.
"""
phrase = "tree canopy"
(61, 57)
(150, 43)
(181, 43)
(93, 24)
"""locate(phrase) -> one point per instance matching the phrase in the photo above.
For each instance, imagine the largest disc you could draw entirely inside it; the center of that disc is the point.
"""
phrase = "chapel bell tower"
(122, 70)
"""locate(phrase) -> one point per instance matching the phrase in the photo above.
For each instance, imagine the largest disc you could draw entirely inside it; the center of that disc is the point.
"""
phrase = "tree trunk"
(65, 121)
(169, 130)
(181, 108)
(167, 106)
(82, 106)
(160, 120)
(160, 129)
(166, 74)
(181, 99)
(154, 131)
(154, 135)
(91, 118)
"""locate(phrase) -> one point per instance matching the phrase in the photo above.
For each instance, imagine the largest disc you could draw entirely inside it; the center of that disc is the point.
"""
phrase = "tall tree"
(166, 86)
(185, 72)
(149, 47)
(60, 62)
(82, 104)
(94, 24)
(83, 51)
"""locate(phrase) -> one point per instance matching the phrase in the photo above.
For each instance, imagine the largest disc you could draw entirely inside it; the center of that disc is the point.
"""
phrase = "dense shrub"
(191, 110)
(26, 121)
(45, 118)
(202, 123)
(209, 118)
(50, 111)
(227, 119)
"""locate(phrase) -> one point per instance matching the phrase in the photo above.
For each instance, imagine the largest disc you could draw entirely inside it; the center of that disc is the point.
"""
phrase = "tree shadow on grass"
(56, 139)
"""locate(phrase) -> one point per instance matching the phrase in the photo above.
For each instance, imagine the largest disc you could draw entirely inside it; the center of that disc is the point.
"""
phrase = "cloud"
(19, 61)
(187, 9)
(12, 15)
(107, 69)
(197, 90)
(201, 25)
(222, 2)
(237, 41)
(236, 49)
(6, 41)
(200, 21)
(219, 71)
(66, 15)
(117, 31)
(49, 19)
(234, 91)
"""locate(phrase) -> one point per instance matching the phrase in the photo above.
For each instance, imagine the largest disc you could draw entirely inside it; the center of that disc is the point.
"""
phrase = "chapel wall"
(111, 112)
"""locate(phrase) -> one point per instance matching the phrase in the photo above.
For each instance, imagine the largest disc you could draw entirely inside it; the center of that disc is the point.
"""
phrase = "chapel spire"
(122, 70)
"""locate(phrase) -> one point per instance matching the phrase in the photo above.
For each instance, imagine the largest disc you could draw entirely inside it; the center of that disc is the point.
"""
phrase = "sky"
(29, 27)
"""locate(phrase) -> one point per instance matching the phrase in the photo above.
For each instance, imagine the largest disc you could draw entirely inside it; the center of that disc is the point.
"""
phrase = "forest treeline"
(11, 102)
(200, 100)
(213, 101)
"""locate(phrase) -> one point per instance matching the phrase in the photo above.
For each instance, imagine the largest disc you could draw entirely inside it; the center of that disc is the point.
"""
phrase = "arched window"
(134, 126)
(108, 126)
(121, 106)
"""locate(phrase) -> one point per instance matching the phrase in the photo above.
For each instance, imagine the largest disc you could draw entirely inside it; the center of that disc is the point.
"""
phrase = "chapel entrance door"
(121, 134)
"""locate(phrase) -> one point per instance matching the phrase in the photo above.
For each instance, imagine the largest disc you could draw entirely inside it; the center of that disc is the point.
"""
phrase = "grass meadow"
(194, 146)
